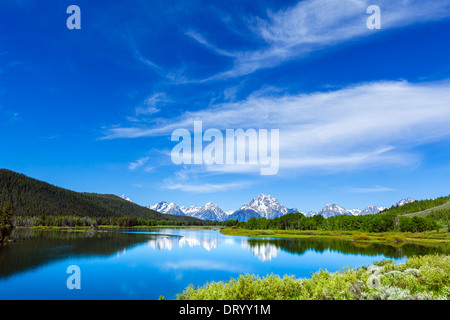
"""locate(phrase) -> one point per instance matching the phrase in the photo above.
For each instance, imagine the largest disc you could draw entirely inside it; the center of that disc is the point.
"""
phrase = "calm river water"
(147, 264)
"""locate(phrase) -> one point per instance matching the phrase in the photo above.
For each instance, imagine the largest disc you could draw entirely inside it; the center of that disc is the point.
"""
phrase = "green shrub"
(383, 262)
(395, 238)
(419, 278)
(360, 237)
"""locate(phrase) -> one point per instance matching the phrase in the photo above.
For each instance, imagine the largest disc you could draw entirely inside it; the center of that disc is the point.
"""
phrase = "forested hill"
(31, 197)
(422, 207)
(418, 216)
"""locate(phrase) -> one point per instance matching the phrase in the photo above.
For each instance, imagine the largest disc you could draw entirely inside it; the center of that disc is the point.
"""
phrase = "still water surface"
(143, 264)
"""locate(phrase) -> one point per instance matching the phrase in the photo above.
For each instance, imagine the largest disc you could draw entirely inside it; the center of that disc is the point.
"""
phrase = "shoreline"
(390, 238)
(430, 237)
(106, 228)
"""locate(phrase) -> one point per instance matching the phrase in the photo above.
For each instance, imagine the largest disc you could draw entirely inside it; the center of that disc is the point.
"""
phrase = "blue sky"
(363, 114)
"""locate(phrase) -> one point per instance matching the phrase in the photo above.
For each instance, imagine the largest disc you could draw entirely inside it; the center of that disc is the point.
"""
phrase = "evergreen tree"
(6, 224)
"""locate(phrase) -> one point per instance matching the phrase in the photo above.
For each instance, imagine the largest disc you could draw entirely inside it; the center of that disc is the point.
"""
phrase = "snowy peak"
(331, 210)
(404, 201)
(310, 214)
(190, 211)
(167, 208)
(210, 211)
(355, 212)
(262, 206)
(372, 210)
(124, 197)
(267, 207)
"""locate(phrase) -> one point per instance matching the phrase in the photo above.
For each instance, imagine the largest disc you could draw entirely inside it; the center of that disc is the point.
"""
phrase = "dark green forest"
(76, 221)
(6, 222)
(39, 203)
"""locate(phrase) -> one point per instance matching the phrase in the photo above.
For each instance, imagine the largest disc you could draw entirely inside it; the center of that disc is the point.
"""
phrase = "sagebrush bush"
(419, 278)
(383, 262)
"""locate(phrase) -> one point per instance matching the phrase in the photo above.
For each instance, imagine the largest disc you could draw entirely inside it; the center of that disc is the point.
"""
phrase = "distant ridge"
(264, 206)
(31, 197)
(332, 210)
(209, 211)
(404, 201)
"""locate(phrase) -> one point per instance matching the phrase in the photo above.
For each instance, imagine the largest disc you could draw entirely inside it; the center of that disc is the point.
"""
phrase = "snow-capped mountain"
(210, 211)
(243, 215)
(404, 201)
(372, 210)
(264, 206)
(168, 208)
(126, 198)
(310, 214)
(190, 211)
(331, 210)
(355, 212)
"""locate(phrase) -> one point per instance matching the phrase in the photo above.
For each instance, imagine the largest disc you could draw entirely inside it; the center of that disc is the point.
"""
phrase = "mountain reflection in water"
(144, 264)
(268, 249)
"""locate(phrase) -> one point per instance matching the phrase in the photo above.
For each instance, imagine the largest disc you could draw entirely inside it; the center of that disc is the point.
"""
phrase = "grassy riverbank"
(419, 278)
(106, 228)
(382, 237)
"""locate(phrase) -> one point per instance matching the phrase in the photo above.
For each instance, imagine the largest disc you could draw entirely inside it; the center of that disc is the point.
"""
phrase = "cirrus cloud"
(365, 124)
(311, 25)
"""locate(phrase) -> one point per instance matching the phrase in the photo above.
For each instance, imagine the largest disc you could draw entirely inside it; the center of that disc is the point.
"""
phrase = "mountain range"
(31, 197)
(331, 210)
(209, 211)
(263, 206)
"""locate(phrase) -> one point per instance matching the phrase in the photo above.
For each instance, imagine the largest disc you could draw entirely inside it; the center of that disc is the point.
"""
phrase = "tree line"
(382, 222)
(94, 222)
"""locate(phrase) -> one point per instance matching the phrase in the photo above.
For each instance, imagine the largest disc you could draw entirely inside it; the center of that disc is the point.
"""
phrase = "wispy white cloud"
(200, 39)
(205, 187)
(141, 58)
(312, 25)
(149, 169)
(369, 189)
(151, 104)
(191, 180)
(361, 125)
(138, 163)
